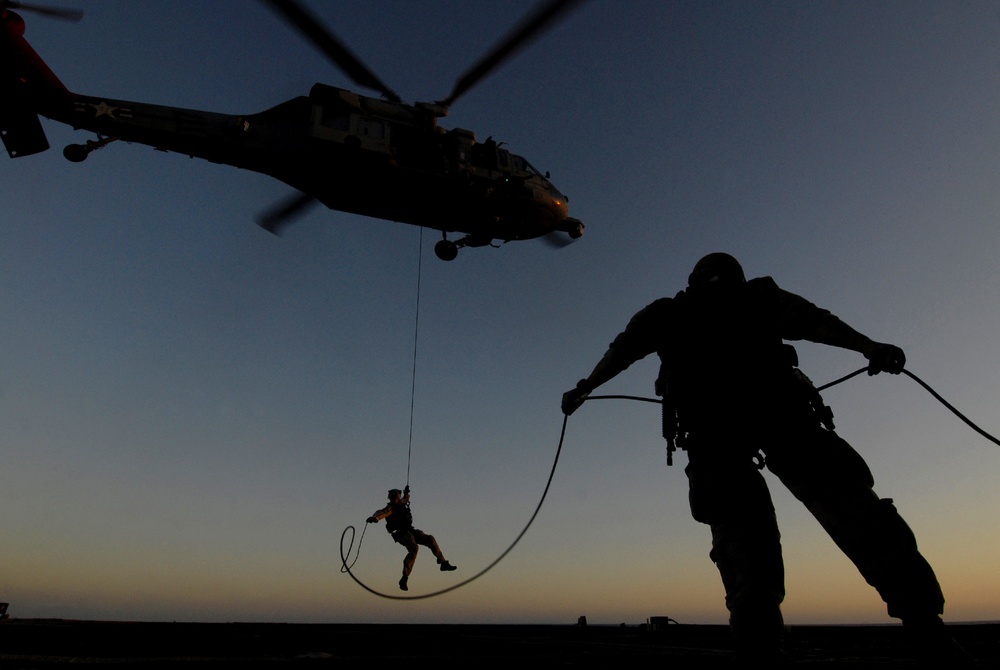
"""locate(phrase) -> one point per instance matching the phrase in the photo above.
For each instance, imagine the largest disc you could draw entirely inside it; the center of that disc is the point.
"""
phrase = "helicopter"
(374, 156)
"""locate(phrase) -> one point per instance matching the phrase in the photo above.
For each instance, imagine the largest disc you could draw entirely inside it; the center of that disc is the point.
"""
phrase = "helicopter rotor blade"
(284, 212)
(557, 240)
(530, 27)
(63, 13)
(332, 47)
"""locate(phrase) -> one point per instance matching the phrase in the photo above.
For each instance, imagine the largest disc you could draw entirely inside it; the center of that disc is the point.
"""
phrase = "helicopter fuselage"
(351, 152)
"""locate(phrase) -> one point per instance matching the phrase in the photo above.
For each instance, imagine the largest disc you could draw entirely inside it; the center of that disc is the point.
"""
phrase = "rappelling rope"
(562, 435)
(413, 378)
(834, 383)
(347, 568)
(844, 379)
(934, 393)
(954, 411)
(344, 555)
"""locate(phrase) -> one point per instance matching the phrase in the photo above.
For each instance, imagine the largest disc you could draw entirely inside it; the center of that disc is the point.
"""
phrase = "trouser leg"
(838, 492)
(746, 548)
(407, 539)
(409, 560)
(875, 537)
(749, 560)
(428, 541)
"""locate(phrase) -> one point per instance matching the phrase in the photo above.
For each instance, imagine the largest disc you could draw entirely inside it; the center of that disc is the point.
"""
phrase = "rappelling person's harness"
(400, 518)
(676, 436)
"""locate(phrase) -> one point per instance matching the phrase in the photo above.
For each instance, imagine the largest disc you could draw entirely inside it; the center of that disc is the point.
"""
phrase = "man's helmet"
(717, 268)
(394, 493)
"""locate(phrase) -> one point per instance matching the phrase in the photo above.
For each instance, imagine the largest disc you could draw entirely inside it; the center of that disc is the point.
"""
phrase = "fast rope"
(934, 393)
(413, 394)
(857, 372)
(347, 568)
(413, 378)
(562, 435)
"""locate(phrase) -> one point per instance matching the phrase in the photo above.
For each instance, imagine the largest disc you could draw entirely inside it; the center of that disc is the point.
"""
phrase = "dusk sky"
(192, 410)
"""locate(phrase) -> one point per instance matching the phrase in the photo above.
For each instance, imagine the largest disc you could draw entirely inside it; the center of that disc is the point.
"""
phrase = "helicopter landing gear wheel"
(446, 250)
(76, 153)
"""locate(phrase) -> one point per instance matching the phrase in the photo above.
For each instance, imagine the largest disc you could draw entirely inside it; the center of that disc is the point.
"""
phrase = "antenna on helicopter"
(52, 12)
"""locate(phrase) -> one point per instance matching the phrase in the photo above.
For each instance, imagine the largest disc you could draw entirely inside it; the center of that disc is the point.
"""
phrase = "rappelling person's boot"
(402, 583)
(447, 567)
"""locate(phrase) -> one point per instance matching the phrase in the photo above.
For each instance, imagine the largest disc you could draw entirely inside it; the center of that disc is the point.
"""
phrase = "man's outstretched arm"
(604, 371)
(637, 341)
(819, 325)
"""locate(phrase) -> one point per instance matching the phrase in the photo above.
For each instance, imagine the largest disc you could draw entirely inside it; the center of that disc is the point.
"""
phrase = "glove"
(371, 519)
(885, 358)
(572, 399)
(406, 490)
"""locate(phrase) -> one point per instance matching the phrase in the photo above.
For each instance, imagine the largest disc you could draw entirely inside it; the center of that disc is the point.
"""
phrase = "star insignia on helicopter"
(102, 108)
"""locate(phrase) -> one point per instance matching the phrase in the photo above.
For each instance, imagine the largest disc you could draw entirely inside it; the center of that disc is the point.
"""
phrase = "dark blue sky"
(192, 410)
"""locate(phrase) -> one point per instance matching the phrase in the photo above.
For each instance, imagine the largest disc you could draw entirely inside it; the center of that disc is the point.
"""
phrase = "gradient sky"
(192, 410)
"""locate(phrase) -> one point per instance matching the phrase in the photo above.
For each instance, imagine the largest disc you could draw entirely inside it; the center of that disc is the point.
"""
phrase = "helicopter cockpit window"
(523, 165)
(503, 158)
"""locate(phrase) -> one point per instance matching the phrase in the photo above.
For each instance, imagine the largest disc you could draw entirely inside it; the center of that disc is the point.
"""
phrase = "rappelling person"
(735, 401)
(399, 523)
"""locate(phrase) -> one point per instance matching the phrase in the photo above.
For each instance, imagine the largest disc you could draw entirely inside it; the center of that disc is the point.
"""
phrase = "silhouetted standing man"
(735, 400)
(399, 523)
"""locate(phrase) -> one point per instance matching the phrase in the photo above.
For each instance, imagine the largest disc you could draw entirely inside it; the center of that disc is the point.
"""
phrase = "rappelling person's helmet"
(394, 494)
(716, 269)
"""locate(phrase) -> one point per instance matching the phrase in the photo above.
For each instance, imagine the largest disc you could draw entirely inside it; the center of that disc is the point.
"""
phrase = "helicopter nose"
(559, 200)
(574, 227)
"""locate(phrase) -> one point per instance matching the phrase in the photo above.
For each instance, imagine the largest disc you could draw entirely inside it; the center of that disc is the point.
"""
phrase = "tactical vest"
(723, 361)
(400, 519)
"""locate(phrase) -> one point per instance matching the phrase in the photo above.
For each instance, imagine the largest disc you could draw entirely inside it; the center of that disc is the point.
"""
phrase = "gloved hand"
(572, 399)
(371, 519)
(885, 358)
(406, 490)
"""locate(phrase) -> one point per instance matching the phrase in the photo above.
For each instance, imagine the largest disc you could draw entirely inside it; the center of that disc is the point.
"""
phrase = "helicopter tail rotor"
(62, 13)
